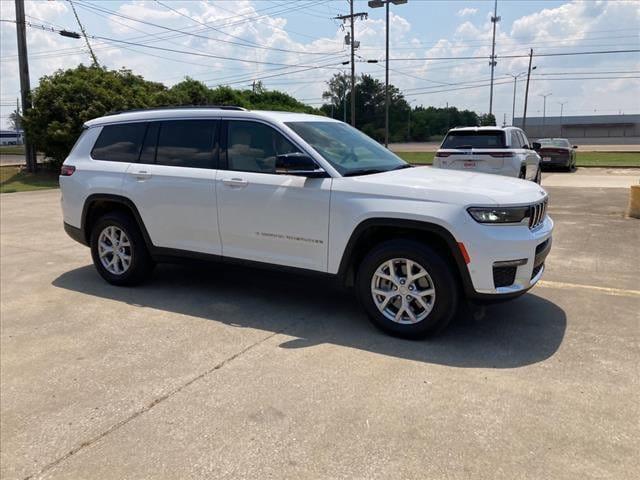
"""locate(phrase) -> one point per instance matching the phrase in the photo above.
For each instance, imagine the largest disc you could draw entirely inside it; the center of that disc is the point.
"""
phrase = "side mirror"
(298, 164)
(536, 146)
(575, 146)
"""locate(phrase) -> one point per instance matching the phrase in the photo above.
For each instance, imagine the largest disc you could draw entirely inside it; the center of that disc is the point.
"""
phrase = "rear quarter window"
(119, 143)
(472, 139)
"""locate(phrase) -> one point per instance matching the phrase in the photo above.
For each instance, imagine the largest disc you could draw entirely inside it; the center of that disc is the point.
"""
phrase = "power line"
(557, 54)
(208, 26)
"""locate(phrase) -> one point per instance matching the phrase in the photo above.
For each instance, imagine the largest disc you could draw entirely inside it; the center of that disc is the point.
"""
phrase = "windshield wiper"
(400, 167)
(363, 171)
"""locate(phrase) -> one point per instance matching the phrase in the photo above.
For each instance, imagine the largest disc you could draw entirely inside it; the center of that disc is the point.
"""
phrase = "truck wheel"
(407, 289)
(118, 250)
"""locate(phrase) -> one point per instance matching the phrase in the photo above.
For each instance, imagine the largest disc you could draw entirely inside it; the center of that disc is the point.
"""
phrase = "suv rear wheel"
(407, 289)
(118, 250)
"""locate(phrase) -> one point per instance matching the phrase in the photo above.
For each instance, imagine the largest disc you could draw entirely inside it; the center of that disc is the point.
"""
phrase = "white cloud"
(467, 12)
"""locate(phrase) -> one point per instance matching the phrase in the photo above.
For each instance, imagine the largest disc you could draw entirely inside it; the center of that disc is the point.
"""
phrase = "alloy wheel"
(114, 250)
(403, 291)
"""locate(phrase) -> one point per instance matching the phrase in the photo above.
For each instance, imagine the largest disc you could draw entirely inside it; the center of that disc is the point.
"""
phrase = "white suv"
(302, 192)
(503, 151)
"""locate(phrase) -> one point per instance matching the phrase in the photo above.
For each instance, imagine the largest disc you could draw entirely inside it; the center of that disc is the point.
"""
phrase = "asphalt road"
(227, 372)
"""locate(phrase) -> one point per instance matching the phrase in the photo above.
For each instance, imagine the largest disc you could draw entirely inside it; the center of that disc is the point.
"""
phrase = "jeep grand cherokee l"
(303, 192)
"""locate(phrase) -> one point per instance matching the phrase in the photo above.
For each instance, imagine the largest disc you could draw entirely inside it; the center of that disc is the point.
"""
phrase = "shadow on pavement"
(511, 334)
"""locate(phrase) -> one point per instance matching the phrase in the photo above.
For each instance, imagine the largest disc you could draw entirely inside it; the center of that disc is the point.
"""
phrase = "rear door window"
(186, 143)
(473, 139)
(119, 143)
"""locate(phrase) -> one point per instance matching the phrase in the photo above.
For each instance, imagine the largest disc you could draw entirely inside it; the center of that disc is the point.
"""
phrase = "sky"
(296, 46)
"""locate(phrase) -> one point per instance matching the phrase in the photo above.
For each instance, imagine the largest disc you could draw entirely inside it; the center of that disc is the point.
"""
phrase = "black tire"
(441, 273)
(141, 262)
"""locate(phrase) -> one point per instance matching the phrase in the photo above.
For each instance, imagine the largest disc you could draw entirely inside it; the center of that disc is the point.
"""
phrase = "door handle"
(235, 182)
(141, 175)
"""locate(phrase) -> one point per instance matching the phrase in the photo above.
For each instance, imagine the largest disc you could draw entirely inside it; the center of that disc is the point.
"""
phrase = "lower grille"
(504, 276)
(536, 270)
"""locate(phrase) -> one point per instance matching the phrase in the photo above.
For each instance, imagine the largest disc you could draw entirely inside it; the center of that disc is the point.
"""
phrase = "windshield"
(554, 142)
(474, 139)
(348, 150)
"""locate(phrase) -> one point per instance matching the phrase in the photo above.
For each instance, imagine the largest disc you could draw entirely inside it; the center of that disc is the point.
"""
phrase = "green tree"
(189, 92)
(15, 120)
(337, 96)
(64, 101)
(487, 119)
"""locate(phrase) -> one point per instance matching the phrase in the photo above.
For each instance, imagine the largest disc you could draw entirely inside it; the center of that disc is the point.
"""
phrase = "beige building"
(592, 129)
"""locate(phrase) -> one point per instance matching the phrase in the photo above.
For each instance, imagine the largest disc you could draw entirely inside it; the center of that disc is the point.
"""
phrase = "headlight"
(499, 214)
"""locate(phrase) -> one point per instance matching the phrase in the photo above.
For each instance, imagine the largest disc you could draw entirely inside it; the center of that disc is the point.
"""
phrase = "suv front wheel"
(118, 250)
(407, 289)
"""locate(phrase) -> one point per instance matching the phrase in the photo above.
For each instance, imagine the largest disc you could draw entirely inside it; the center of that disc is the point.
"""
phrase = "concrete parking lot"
(228, 372)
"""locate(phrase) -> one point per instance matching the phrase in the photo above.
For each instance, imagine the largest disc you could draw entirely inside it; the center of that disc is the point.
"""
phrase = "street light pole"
(378, 4)
(386, 81)
(544, 106)
(562, 104)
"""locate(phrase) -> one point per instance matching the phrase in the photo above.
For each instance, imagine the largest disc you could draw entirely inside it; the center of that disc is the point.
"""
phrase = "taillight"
(67, 170)
(501, 154)
(442, 154)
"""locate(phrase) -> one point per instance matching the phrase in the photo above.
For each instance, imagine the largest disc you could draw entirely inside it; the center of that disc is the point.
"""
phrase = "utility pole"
(25, 87)
(494, 19)
(351, 41)
(94, 59)
(526, 93)
(353, 65)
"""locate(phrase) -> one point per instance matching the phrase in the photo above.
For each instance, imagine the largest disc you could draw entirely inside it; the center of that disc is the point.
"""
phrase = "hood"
(447, 186)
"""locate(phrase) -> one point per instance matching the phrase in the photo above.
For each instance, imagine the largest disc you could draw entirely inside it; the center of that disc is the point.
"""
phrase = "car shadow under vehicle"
(315, 310)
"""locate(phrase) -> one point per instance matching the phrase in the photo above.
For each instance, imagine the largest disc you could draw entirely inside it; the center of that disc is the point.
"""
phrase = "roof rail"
(174, 107)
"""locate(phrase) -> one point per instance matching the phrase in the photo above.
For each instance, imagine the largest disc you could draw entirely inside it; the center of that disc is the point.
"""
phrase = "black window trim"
(144, 139)
(223, 140)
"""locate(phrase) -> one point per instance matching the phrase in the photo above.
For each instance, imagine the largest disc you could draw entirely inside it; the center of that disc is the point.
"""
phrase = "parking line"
(619, 292)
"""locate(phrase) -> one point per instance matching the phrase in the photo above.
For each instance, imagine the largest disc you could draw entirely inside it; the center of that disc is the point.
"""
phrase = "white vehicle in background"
(498, 150)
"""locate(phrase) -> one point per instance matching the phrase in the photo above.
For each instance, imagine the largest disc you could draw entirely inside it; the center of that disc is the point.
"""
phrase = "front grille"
(537, 212)
(536, 270)
(504, 276)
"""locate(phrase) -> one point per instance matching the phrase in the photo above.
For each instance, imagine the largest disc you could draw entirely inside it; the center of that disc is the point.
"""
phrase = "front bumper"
(495, 245)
